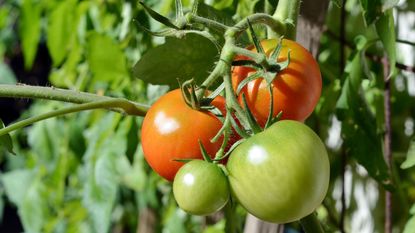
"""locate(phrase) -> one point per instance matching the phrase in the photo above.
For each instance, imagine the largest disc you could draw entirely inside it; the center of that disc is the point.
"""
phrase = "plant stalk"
(287, 12)
(72, 109)
(64, 95)
(310, 224)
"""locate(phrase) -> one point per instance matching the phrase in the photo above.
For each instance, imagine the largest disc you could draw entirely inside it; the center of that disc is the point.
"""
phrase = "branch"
(64, 95)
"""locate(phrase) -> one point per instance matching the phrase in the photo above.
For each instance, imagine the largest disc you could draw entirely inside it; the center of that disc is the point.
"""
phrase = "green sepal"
(236, 144)
(183, 160)
(276, 52)
(238, 130)
(205, 155)
(271, 106)
(253, 124)
(250, 78)
(257, 43)
(159, 18)
(247, 63)
(224, 169)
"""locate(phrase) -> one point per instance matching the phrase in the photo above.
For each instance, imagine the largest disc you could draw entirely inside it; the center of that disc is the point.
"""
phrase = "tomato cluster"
(279, 175)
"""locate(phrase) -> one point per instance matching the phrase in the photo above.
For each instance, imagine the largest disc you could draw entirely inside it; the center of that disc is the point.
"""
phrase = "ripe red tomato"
(281, 174)
(171, 130)
(296, 89)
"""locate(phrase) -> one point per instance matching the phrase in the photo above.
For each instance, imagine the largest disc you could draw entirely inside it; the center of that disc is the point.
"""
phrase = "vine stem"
(387, 142)
(310, 224)
(72, 109)
(287, 12)
(64, 95)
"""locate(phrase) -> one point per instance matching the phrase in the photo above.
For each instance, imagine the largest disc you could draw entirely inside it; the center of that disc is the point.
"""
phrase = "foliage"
(85, 172)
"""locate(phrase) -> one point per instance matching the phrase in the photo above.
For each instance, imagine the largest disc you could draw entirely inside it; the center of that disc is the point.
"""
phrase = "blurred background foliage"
(85, 172)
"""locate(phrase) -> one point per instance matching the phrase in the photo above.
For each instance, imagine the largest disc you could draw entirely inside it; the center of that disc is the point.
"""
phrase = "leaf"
(410, 226)
(186, 58)
(385, 28)
(60, 30)
(105, 58)
(372, 9)
(106, 145)
(29, 29)
(359, 129)
(6, 140)
(6, 74)
(245, 8)
(410, 156)
(16, 184)
(33, 210)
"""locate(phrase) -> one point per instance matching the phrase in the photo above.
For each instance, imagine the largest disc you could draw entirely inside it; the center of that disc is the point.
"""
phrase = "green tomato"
(282, 174)
(201, 188)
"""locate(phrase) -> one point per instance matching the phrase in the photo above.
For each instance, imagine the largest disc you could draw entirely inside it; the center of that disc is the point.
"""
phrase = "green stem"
(111, 103)
(311, 224)
(51, 93)
(287, 12)
(274, 24)
(230, 226)
(206, 22)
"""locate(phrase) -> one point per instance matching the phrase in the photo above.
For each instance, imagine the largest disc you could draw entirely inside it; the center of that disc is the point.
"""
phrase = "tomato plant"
(296, 89)
(282, 174)
(172, 130)
(201, 187)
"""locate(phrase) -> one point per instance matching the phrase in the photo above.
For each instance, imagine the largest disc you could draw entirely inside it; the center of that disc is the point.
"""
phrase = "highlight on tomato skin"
(296, 89)
(172, 130)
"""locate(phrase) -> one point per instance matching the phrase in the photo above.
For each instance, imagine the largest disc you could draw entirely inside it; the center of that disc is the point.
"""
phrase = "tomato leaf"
(385, 28)
(106, 59)
(410, 157)
(359, 129)
(60, 30)
(186, 58)
(410, 224)
(29, 29)
(373, 9)
(6, 140)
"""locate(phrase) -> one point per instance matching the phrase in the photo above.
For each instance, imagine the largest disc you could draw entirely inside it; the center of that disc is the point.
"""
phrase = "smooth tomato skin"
(296, 89)
(201, 188)
(281, 174)
(171, 130)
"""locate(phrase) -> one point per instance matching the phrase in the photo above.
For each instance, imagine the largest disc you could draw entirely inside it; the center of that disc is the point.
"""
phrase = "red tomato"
(296, 89)
(171, 130)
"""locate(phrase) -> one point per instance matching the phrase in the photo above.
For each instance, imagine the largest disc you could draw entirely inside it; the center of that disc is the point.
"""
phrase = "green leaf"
(410, 226)
(60, 30)
(105, 58)
(385, 28)
(34, 209)
(359, 129)
(245, 8)
(372, 9)
(410, 156)
(29, 29)
(6, 74)
(190, 57)
(16, 184)
(6, 140)
(106, 144)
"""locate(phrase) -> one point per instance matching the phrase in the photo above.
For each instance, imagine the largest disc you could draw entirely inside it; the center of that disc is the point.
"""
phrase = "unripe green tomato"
(282, 174)
(200, 188)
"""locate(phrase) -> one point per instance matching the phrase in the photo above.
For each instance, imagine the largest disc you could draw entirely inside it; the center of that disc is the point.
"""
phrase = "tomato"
(281, 174)
(296, 89)
(171, 130)
(201, 188)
